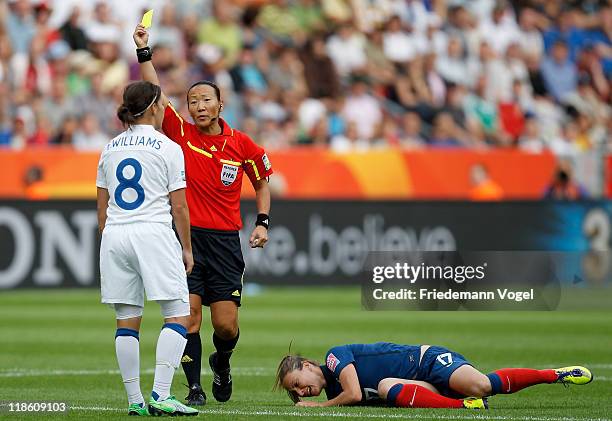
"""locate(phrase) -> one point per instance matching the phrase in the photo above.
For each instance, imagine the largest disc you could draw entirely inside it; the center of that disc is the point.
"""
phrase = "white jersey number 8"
(129, 183)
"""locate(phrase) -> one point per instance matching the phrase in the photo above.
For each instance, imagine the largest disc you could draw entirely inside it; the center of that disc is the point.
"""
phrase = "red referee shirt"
(214, 165)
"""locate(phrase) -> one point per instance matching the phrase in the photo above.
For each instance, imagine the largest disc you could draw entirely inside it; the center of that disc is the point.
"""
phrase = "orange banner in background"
(307, 173)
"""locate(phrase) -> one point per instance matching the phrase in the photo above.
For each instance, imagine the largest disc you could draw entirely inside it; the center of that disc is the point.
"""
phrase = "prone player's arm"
(141, 38)
(351, 390)
(180, 216)
(102, 201)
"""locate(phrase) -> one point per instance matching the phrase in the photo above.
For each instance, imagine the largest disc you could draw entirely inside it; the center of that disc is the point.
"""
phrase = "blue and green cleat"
(574, 375)
(138, 410)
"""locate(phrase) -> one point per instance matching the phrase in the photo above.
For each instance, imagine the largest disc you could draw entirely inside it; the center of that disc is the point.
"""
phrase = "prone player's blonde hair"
(288, 364)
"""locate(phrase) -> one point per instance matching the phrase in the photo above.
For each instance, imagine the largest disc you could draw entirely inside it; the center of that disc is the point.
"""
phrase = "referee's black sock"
(224, 350)
(192, 358)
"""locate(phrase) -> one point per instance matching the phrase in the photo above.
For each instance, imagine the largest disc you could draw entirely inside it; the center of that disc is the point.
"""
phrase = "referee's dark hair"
(206, 82)
(137, 99)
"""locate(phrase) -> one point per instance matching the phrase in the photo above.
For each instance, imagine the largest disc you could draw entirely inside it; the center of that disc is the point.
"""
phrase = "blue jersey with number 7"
(381, 360)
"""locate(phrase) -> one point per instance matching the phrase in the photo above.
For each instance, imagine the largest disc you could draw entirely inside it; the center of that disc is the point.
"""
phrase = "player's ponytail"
(138, 97)
(124, 115)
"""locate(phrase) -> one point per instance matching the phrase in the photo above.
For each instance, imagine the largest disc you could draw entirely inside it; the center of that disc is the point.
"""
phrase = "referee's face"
(204, 106)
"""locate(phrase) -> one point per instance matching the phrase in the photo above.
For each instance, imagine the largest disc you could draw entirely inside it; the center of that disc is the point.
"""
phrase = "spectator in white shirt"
(564, 146)
(500, 31)
(347, 50)
(531, 141)
(411, 135)
(88, 136)
(530, 38)
(310, 111)
(454, 66)
(414, 14)
(362, 109)
(398, 45)
(350, 141)
(103, 28)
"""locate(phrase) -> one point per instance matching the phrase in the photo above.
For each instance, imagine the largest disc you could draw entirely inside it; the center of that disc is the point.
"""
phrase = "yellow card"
(147, 19)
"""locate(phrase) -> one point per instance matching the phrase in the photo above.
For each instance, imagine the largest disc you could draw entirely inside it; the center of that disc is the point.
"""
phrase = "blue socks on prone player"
(170, 346)
(128, 357)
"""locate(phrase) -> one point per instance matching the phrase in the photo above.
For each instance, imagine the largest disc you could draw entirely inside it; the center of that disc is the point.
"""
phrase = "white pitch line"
(600, 366)
(554, 365)
(243, 371)
(239, 371)
(587, 365)
(246, 371)
(305, 413)
(387, 415)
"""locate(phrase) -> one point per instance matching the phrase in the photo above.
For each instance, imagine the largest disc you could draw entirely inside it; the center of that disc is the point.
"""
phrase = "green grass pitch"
(59, 346)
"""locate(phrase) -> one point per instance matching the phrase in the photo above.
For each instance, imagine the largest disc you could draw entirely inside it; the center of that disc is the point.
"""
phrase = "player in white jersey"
(141, 190)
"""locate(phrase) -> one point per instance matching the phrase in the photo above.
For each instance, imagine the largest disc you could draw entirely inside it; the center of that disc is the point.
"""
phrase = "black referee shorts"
(218, 266)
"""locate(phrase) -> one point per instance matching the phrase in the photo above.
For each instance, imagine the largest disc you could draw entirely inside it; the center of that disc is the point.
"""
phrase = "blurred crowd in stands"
(348, 74)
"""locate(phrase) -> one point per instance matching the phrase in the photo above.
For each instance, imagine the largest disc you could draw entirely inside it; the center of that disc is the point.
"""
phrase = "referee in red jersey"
(216, 157)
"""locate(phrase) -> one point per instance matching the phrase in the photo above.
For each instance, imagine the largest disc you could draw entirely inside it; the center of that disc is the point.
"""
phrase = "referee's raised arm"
(144, 54)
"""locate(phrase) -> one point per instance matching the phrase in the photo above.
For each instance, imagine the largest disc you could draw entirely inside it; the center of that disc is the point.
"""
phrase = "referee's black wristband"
(263, 220)
(144, 54)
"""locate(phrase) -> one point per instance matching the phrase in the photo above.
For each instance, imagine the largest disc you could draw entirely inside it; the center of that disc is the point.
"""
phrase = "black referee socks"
(192, 358)
(224, 350)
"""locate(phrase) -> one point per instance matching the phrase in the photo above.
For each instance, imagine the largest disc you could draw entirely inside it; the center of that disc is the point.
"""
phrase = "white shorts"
(169, 308)
(141, 257)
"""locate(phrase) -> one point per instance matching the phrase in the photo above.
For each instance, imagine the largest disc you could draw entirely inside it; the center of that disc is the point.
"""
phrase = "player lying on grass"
(415, 376)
